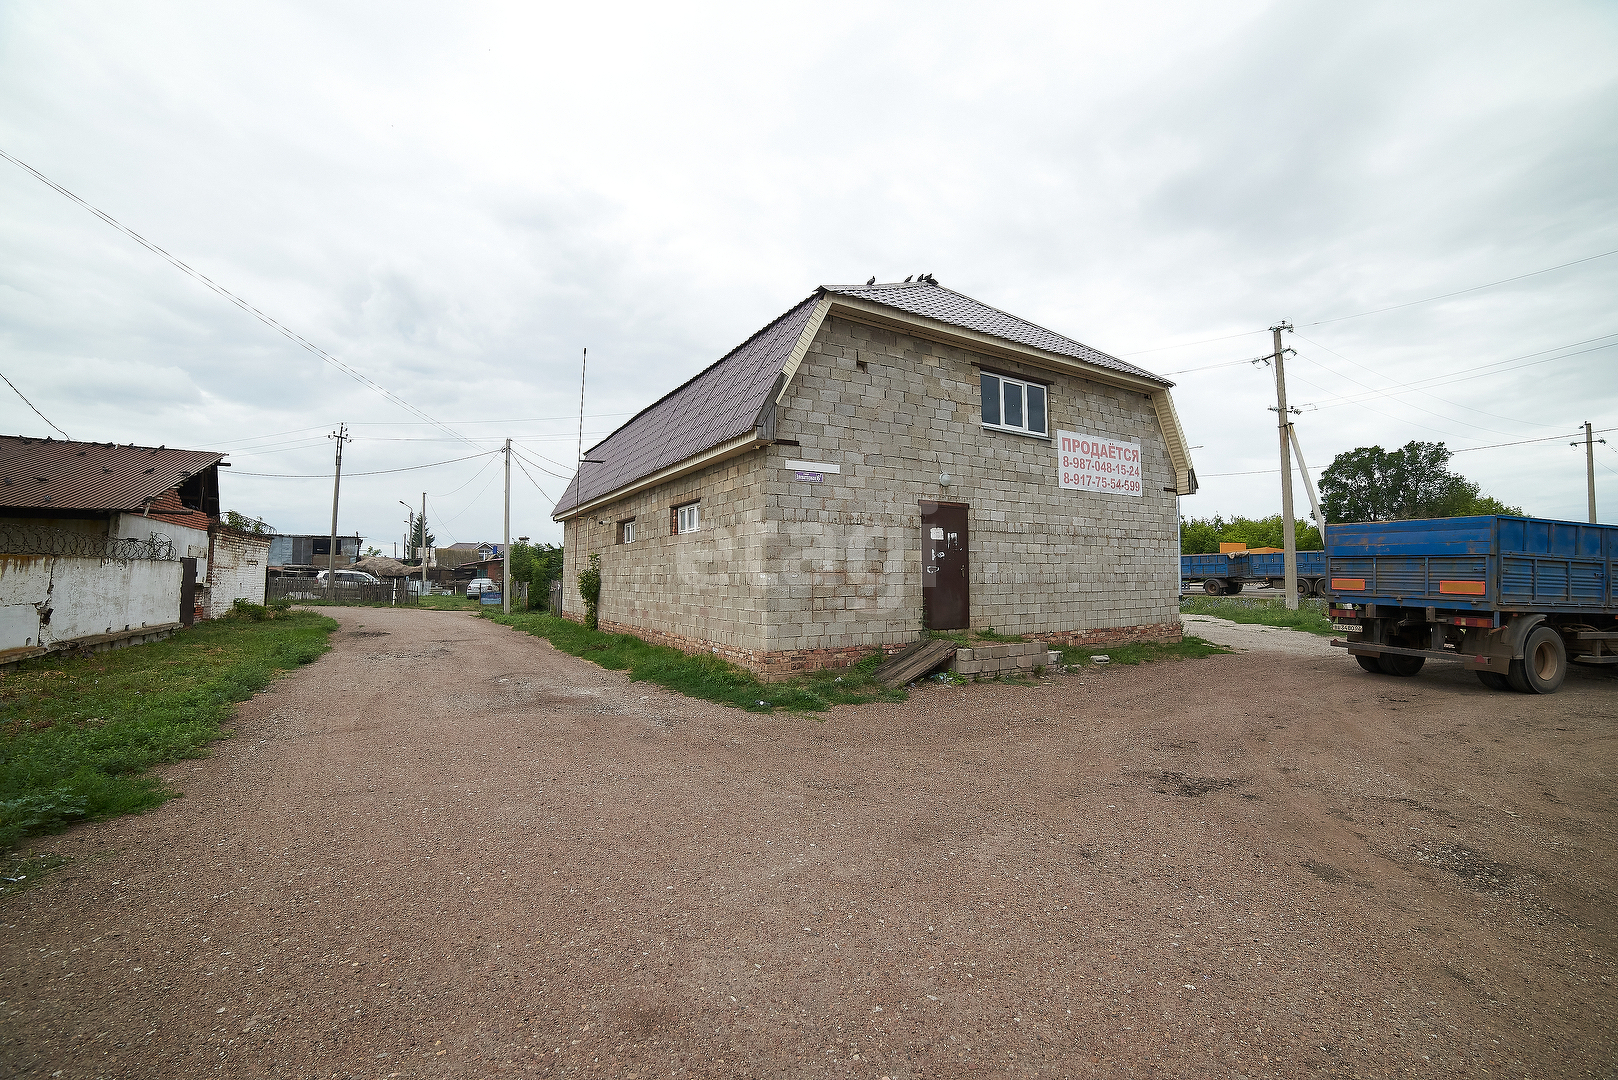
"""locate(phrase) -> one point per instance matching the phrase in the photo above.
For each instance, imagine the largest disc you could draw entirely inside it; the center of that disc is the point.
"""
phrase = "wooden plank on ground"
(918, 660)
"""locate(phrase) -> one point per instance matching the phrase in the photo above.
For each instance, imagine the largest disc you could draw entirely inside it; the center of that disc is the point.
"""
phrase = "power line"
(1462, 450)
(1377, 311)
(1525, 442)
(1435, 397)
(1475, 373)
(37, 413)
(1461, 292)
(1188, 344)
(232, 297)
(374, 472)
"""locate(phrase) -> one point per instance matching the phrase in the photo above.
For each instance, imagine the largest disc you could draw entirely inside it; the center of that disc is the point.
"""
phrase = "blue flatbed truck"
(1515, 599)
(1223, 574)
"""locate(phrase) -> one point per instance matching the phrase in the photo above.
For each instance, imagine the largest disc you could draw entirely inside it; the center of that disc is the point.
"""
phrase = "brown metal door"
(944, 575)
(188, 591)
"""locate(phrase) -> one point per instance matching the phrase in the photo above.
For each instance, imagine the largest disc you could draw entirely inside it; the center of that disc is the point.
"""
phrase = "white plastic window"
(689, 518)
(1013, 405)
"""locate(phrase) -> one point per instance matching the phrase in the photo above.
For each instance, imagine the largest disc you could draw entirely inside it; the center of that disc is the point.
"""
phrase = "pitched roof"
(948, 306)
(721, 402)
(58, 475)
(725, 400)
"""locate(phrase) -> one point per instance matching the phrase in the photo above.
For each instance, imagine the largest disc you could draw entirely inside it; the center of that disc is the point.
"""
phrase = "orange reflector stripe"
(1465, 588)
(1348, 584)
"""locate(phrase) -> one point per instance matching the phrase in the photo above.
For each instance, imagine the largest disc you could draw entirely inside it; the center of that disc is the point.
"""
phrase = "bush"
(590, 590)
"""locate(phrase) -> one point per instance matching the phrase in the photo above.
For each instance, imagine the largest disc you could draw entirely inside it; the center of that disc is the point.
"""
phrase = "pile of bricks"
(1001, 659)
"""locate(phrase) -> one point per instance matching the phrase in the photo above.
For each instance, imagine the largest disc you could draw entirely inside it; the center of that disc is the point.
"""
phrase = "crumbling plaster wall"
(48, 599)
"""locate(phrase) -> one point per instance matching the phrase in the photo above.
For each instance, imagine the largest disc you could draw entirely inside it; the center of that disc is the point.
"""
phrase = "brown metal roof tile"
(948, 306)
(38, 474)
(724, 400)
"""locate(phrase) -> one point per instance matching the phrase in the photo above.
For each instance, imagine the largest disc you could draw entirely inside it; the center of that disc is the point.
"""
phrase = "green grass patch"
(1187, 648)
(1270, 611)
(77, 735)
(702, 675)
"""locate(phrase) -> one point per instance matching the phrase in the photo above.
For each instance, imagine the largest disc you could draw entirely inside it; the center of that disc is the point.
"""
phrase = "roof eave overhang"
(741, 444)
(863, 311)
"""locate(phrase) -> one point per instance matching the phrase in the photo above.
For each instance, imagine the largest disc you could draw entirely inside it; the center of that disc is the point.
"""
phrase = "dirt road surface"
(446, 850)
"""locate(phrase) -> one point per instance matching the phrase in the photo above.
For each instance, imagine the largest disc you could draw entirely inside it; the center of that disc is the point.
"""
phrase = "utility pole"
(1289, 538)
(505, 552)
(341, 437)
(1590, 467)
(424, 545)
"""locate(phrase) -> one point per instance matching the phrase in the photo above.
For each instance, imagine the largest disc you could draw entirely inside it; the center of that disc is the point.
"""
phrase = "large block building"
(878, 461)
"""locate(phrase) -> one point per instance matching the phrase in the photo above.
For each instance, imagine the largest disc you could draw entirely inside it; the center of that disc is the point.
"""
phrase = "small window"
(1013, 405)
(626, 531)
(688, 518)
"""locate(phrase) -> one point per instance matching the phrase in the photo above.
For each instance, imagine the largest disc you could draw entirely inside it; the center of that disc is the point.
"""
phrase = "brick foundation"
(769, 666)
(773, 666)
(1161, 633)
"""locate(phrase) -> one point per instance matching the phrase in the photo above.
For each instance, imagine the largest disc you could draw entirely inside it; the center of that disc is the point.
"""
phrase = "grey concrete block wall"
(782, 566)
(893, 412)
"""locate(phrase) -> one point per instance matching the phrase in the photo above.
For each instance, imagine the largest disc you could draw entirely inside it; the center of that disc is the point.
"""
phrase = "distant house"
(310, 552)
(458, 555)
(879, 461)
(104, 544)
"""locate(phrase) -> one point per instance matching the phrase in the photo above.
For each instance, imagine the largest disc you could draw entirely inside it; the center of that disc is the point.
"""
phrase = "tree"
(1372, 484)
(539, 565)
(372, 549)
(419, 538)
(1202, 536)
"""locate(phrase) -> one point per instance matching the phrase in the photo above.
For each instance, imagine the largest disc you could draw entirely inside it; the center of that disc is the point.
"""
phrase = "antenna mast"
(583, 365)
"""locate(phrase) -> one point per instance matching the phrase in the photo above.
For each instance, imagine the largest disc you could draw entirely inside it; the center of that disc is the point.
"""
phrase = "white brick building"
(878, 461)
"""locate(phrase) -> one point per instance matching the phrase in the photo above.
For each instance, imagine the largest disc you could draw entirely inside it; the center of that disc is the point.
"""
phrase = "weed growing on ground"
(77, 735)
(703, 675)
(1188, 647)
(26, 871)
(1269, 611)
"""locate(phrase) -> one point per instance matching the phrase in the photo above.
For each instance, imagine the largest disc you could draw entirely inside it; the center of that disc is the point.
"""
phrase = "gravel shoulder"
(1244, 637)
(447, 850)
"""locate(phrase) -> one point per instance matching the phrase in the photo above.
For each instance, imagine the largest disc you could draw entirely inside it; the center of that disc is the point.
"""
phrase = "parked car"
(350, 577)
(478, 586)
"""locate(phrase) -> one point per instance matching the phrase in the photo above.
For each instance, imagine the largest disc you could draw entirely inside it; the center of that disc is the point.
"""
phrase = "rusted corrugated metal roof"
(48, 474)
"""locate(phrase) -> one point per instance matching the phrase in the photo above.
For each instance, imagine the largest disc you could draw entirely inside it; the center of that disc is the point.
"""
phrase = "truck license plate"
(1347, 627)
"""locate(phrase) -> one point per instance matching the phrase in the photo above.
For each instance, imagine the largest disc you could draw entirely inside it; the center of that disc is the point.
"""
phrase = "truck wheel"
(1322, 587)
(1494, 680)
(1393, 664)
(1369, 663)
(1544, 663)
(1234, 587)
(1213, 586)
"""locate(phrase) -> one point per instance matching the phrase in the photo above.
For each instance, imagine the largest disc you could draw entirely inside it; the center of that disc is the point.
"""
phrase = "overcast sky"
(456, 202)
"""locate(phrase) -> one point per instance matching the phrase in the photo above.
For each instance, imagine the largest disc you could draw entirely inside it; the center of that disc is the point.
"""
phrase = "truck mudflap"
(1473, 661)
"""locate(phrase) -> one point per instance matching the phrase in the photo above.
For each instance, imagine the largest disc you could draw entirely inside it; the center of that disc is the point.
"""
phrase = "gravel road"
(446, 850)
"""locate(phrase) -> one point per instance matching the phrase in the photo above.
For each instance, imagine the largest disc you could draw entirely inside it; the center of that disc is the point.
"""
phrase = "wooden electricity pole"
(341, 437)
(1289, 538)
(424, 546)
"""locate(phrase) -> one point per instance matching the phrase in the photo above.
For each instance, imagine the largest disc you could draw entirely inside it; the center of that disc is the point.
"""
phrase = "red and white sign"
(1091, 463)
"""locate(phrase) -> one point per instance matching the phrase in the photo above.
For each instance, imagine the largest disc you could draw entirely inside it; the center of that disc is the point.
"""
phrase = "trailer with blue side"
(1220, 575)
(1515, 599)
